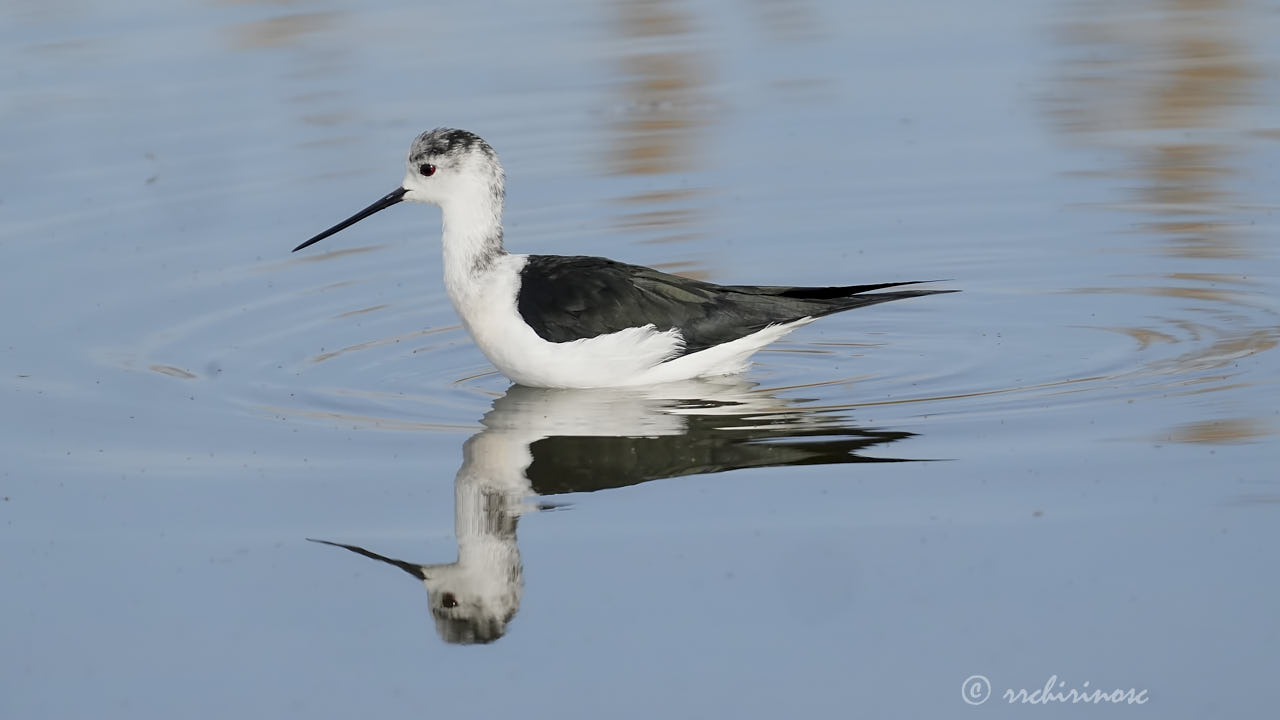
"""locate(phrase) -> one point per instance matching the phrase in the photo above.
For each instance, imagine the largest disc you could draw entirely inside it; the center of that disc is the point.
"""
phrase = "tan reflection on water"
(315, 61)
(1161, 81)
(657, 122)
(663, 89)
(172, 371)
(1218, 432)
(280, 31)
(1159, 86)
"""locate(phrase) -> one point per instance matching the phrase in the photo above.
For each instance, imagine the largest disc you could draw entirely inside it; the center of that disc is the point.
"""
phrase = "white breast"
(487, 305)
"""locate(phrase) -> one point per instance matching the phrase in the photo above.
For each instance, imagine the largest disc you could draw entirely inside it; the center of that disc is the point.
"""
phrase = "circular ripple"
(374, 342)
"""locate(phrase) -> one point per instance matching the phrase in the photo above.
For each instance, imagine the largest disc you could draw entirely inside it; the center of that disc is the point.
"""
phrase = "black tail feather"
(856, 301)
(842, 291)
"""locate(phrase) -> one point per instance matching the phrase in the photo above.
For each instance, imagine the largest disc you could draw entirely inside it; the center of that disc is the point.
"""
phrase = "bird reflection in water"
(538, 443)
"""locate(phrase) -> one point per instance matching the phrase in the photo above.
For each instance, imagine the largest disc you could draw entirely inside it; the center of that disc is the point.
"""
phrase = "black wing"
(570, 298)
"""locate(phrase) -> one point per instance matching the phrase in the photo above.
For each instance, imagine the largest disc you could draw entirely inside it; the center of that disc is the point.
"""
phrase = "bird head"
(445, 167)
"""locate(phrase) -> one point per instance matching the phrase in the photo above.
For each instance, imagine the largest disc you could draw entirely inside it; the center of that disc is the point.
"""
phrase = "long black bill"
(383, 203)
(414, 570)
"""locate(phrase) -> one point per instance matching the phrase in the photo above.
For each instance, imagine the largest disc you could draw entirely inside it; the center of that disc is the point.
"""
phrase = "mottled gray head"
(470, 604)
(447, 146)
(468, 619)
(447, 165)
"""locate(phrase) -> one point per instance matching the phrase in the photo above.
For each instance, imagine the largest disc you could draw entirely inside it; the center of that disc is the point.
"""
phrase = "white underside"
(635, 356)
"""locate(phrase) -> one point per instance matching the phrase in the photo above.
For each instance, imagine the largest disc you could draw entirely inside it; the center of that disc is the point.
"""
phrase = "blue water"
(1066, 470)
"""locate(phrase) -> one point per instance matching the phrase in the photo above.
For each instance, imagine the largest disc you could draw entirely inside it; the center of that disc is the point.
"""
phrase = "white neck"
(489, 495)
(472, 235)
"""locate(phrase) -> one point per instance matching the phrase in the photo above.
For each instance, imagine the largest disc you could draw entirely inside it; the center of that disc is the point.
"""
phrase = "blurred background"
(1084, 440)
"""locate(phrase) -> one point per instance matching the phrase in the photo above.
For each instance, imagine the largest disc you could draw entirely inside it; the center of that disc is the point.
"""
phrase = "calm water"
(1066, 470)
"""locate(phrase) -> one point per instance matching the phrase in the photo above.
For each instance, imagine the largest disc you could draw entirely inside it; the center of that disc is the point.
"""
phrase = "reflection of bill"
(545, 442)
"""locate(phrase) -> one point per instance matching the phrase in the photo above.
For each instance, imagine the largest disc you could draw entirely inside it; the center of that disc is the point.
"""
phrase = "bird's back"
(567, 298)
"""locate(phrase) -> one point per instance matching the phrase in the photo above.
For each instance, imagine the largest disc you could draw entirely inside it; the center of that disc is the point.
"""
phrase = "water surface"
(1066, 469)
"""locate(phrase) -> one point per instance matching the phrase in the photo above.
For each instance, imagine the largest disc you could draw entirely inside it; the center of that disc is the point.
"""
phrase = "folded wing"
(570, 298)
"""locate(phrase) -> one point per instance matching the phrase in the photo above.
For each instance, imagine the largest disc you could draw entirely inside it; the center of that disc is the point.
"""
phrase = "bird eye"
(447, 600)
(427, 169)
